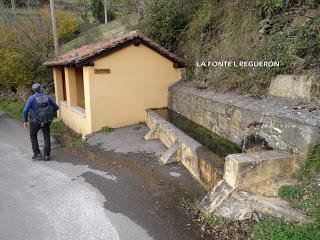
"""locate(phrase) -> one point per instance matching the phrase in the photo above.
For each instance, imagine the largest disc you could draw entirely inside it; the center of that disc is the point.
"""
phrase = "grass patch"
(58, 127)
(306, 197)
(277, 229)
(106, 129)
(96, 34)
(66, 136)
(13, 108)
(290, 192)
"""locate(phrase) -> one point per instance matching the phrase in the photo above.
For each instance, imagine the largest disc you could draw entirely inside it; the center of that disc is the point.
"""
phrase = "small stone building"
(112, 83)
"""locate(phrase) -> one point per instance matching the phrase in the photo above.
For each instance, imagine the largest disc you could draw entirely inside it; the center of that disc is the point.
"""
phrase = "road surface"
(74, 197)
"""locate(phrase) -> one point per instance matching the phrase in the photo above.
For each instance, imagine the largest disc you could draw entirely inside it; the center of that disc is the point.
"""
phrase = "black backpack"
(44, 109)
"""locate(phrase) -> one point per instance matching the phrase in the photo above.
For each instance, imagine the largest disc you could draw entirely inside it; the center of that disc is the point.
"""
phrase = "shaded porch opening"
(80, 88)
(63, 81)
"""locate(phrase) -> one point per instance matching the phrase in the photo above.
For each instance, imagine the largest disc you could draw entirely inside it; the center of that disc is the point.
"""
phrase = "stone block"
(245, 170)
(216, 197)
(233, 209)
(217, 107)
(170, 156)
(272, 207)
(291, 86)
(210, 167)
(152, 134)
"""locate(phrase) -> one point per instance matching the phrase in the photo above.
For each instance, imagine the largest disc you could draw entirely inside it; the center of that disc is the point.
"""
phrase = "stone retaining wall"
(279, 122)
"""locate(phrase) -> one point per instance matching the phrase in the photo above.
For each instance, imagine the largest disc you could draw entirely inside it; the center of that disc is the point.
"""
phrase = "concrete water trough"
(223, 168)
(204, 153)
(206, 166)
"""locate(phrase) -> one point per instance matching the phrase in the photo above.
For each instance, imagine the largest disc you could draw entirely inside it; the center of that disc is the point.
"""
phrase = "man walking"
(42, 111)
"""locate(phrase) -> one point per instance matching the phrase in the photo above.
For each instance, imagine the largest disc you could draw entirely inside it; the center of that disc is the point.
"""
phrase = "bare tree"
(141, 7)
(54, 28)
(105, 12)
(13, 4)
(81, 7)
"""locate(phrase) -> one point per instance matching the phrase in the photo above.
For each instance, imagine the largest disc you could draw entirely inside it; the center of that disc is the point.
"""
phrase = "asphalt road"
(77, 197)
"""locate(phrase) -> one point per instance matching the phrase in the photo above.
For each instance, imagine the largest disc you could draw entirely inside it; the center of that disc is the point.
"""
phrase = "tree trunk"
(141, 9)
(54, 28)
(13, 4)
(105, 12)
(84, 14)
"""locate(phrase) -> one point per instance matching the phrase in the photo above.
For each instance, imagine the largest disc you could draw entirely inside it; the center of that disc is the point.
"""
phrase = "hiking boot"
(37, 156)
(46, 158)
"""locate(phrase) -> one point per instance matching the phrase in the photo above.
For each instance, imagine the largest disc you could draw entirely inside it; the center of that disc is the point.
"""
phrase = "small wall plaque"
(102, 71)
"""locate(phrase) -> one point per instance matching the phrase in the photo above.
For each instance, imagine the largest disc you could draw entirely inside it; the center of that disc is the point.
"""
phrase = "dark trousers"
(34, 129)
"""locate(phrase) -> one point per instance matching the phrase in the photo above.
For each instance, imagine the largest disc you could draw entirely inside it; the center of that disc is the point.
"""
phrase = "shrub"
(27, 42)
(312, 3)
(166, 19)
(277, 48)
(269, 7)
(67, 24)
(15, 69)
(307, 43)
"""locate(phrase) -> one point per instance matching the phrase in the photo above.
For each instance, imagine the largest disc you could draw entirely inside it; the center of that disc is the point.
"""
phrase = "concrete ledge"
(79, 110)
(292, 86)
(247, 171)
(202, 164)
(65, 103)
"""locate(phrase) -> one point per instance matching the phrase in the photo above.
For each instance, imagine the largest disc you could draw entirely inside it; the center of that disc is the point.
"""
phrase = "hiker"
(42, 110)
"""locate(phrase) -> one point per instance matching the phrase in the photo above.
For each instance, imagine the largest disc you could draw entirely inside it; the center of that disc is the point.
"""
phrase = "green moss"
(211, 140)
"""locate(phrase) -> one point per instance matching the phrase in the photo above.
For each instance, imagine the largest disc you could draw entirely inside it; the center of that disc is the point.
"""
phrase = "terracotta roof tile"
(82, 56)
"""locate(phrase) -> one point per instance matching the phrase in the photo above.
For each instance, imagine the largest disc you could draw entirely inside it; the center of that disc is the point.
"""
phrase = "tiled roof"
(87, 54)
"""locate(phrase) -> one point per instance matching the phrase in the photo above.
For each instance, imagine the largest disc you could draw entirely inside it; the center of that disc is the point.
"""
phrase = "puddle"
(175, 174)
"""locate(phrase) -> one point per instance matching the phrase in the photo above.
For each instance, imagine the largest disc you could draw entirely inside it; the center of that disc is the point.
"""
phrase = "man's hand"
(25, 125)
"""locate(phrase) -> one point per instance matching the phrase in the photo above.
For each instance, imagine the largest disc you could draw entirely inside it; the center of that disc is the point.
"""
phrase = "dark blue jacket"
(32, 104)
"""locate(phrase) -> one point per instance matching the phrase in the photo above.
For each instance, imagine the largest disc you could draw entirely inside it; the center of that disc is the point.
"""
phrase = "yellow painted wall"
(68, 112)
(139, 79)
(74, 120)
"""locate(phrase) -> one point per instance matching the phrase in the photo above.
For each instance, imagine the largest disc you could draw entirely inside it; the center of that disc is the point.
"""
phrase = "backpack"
(44, 109)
